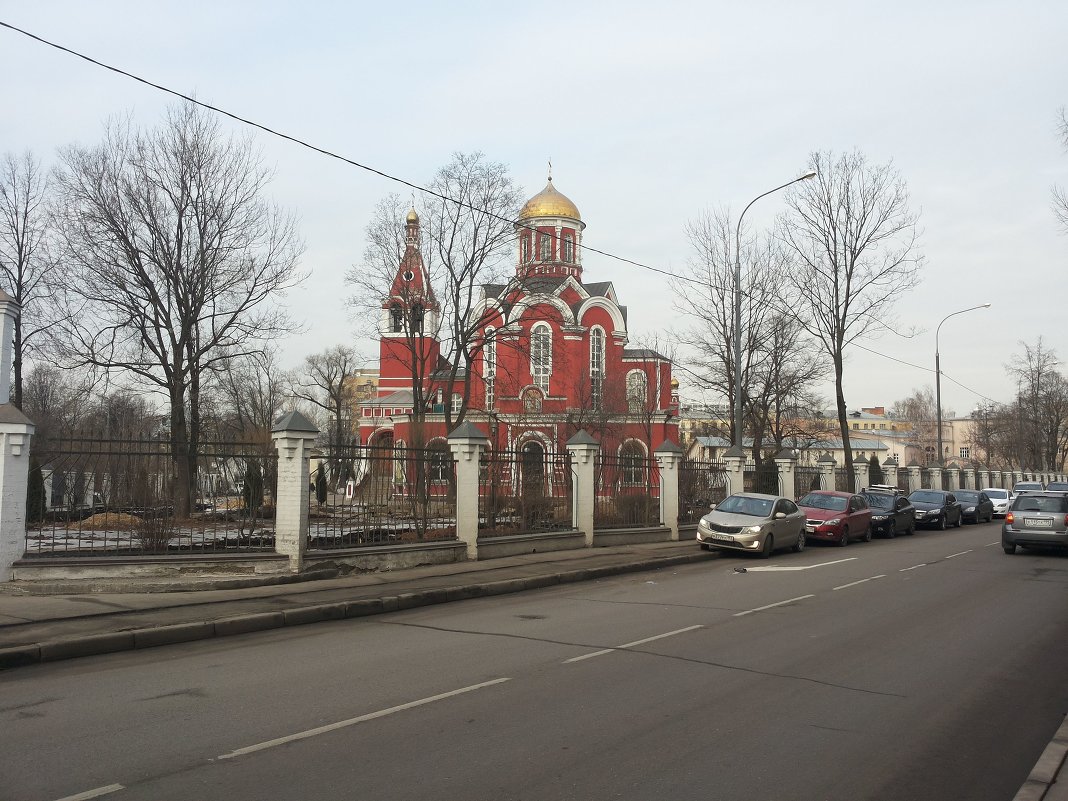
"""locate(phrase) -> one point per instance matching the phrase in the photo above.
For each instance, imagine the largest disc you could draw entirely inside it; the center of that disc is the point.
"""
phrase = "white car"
(1000, 498)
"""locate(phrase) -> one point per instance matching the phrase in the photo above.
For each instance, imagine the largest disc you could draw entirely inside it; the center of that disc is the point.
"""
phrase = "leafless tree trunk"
(327, 381)
(1060, 198)
(26, 265)
(853, 241)
(1043, 405)
(174, 261)
(778, 360)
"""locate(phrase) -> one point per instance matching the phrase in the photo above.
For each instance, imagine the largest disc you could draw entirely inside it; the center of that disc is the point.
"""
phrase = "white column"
(785, 460)
(583, 449)
(954, 478)
(860, 471)
(826, 465)
(734, 459)
(968, 479)
(890, 472)
(467, 444)
(915, 476)
(669, 458)
(293, 434)
(15, 433)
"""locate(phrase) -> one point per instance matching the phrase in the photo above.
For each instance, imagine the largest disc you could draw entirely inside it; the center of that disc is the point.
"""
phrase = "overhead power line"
(397, 179)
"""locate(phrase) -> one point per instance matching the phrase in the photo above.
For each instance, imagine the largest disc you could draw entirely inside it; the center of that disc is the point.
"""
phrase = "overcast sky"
(650, 113)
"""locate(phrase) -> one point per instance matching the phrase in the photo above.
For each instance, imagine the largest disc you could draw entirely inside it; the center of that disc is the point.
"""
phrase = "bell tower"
(410, 319)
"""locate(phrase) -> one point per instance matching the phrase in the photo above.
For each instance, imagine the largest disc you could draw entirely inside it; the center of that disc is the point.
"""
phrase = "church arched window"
(637, 391)
(524, 248)
(417, 318)
(545, 246)
(567, 248)
(396, 318)
(596, 367)
(632, 463)
(489, 367)
(541, 356)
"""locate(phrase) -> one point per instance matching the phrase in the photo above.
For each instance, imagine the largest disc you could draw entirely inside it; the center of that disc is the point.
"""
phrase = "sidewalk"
(45, 628)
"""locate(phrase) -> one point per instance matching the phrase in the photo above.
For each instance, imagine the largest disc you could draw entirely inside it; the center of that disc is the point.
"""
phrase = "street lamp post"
(938, 375)
(738, 307)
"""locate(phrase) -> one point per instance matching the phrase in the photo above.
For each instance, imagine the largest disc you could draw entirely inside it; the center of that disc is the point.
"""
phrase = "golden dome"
(549, 203)
(413, 217)
(674, 383)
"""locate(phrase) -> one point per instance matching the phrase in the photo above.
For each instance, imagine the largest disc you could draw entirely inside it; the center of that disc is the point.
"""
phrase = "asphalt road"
(930, 667)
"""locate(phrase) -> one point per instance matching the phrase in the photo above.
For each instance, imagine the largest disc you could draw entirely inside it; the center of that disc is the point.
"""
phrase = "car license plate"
(722, 537)
(1038, 522)
(810, 529)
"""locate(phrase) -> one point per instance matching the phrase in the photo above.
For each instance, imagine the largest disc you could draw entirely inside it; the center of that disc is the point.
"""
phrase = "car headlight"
(834, 522)
(755, 529)
(970, 509)
(878, 517)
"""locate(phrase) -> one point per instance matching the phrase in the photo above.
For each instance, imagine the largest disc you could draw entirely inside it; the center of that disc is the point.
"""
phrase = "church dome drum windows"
(567, 248)
(545, 246)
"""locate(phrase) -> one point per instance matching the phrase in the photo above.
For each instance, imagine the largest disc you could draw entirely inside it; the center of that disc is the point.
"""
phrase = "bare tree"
(853, 241)
(1042, 406)
(26, 266)
(250, 395)
(1060, 198)
(779, 363)
(327, 382)
(174, 259)
(919, 411)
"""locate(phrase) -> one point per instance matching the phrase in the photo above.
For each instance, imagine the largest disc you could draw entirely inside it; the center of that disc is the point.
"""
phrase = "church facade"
(550, 355)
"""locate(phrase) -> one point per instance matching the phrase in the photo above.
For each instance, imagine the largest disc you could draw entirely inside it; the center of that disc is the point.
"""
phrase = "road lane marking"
(353, 721)
(959, 554)
(771, 606)
(630, 645)
(855, 583)
(777, 569)
(992, 544)
(921, 564)
(99, 791)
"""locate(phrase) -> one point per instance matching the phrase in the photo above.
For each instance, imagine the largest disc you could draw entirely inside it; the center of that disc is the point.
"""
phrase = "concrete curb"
(1045, 772)
(152, 636)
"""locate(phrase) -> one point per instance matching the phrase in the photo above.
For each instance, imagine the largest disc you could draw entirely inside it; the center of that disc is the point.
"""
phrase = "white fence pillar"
(890, 472)
(785, 461)
(915, 476)
(953, 474)
(860, 471)
(15, 433)
(669, 458)
(826, 465)
(734, 459)
(293, 433)
(583, 449)
(467, 444)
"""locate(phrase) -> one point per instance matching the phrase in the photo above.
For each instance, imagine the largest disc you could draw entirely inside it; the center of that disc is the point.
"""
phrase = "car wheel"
(911, 529)
(843, 541)
(1009, 548)
(769, 546)
(800, 544)
(891, 530)
(960, 520)
(942, 523)
(867, 533)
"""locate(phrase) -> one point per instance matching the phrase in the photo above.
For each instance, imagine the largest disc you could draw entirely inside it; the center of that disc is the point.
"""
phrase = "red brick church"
(552, 358)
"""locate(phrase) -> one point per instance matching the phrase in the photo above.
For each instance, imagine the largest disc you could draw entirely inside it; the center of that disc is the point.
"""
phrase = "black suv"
(936, 508)
(891, 512)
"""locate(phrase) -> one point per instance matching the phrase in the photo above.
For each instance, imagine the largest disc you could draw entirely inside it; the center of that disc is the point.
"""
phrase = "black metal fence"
(841, 479)
(903, 479)
(108, 497)
(806, 479)
(761, 478)
(364, 495)
(626, 491)
(701, 484)
(524, 492)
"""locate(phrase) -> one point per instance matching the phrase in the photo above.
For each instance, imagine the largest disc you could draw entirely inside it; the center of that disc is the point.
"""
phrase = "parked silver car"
(752, 522)
(1036, 520)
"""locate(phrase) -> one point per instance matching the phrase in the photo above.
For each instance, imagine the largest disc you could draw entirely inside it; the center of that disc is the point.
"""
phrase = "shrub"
(35, 494)
(875, 471)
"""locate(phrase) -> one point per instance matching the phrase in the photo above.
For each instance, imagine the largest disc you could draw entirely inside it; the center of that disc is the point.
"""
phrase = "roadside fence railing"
(366, 495)
(122, 497)
(627, 491)
(701, 484)
(524, 492)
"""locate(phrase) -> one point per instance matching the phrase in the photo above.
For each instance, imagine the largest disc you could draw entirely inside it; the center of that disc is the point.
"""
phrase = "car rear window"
(1040, 503)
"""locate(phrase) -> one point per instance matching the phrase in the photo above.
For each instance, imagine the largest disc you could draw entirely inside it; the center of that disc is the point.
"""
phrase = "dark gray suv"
(1036, 520)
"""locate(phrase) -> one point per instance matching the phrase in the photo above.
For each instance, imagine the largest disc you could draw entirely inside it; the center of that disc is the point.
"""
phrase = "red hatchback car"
(836, 516)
